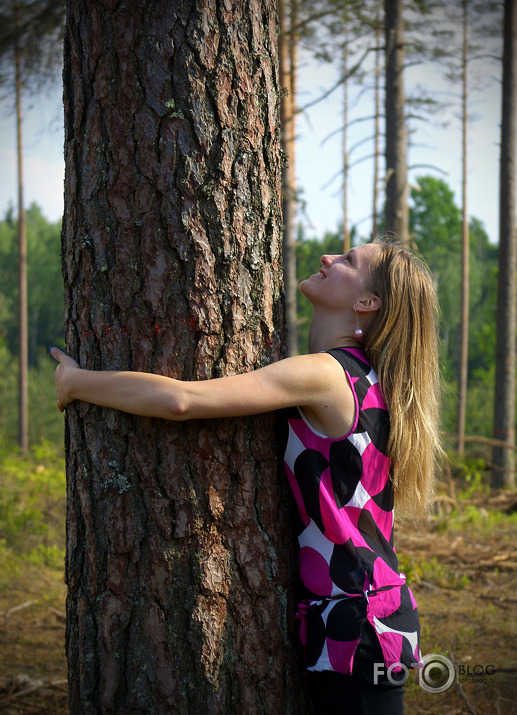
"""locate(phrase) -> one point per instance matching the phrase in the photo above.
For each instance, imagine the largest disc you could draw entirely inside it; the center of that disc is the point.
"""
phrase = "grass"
(32, 591)
(461, 565)
(462, 568)
(45, 420)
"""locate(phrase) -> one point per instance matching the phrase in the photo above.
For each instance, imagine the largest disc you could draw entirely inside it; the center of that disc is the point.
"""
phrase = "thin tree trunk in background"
(504, 403)
(23, 342)
(396, 208)
(346, 161)
(465, 253)
(288, 70)
(179, 546)
(377, 125)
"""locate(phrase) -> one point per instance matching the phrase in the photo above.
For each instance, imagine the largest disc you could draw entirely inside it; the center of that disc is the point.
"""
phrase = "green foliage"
(44, 282)
(431, 571)
(410, 568)
(9, 389)
(45, 313)
(435, 225)
(470, 472)
(32, 507)
(483, 521)
(45, 420)
(483, 300)
(480, 400)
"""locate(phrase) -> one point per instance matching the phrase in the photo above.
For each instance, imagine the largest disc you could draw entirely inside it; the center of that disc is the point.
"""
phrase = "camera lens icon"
(438, 673)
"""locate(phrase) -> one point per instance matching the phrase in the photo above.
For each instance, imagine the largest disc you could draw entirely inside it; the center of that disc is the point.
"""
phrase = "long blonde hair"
(401, 343)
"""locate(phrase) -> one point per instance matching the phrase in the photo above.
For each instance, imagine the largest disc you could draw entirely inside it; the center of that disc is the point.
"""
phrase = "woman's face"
(342, 280)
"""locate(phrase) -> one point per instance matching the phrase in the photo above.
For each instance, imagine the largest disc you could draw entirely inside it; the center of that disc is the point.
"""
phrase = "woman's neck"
(327, 333)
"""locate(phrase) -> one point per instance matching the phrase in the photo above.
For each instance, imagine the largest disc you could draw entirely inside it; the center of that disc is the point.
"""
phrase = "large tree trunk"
(178, 544)
(396, 208)
(504, 407)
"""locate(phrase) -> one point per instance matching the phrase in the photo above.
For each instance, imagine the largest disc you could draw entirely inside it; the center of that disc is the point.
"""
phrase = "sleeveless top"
(348, 566)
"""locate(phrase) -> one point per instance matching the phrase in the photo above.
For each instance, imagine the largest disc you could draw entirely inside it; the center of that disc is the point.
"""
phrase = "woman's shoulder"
(352, 359)
(363, 377)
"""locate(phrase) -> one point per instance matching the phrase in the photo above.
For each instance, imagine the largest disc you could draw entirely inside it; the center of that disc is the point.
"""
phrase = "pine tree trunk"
(23, 328)
(178, 540)
(288, 74)
(346, 158)
(377, 114)
(465, 254)
(396, 208)
(504, 407)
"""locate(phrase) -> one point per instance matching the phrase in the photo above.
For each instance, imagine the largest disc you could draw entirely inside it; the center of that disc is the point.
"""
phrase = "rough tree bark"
(396, 211)
(504, 405)
(178, 539)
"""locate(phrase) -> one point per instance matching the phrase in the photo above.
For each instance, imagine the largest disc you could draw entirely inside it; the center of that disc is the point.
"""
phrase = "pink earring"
(357, 332)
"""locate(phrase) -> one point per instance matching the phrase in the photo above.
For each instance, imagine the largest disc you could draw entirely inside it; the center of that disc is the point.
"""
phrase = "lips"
(320, 274)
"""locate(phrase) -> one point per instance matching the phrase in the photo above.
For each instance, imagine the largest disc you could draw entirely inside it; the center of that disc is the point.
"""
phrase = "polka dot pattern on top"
(348, 565)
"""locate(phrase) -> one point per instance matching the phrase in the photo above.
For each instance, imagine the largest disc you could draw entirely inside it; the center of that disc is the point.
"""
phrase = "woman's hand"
(63, 375)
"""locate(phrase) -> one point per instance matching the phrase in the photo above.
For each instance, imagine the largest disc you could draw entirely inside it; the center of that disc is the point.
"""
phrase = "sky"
(43, 154)
(318, 157)
(433, 145)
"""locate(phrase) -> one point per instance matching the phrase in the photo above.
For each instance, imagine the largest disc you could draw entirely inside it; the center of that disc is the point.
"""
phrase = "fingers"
(65, 368)
(62, 358)
(61, 404)
(56, 353)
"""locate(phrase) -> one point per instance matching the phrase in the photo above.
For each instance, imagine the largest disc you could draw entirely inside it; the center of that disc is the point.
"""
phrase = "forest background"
(434, 175)
(435, 230)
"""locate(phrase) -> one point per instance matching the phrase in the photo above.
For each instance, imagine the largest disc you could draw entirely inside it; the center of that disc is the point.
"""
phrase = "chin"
(305, 289)
(303, 286)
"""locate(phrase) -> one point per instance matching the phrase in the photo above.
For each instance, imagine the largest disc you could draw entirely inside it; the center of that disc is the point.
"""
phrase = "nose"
(327, 260)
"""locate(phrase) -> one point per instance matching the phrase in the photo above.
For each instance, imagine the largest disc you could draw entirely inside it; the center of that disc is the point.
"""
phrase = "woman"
(355, 443)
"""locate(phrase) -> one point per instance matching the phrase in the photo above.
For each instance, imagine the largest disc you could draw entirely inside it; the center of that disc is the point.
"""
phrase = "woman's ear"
(369, 304)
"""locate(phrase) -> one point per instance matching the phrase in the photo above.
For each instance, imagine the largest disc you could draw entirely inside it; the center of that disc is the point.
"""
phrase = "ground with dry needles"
(461, 565)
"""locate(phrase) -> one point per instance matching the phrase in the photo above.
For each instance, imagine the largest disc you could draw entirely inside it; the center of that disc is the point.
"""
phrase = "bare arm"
(308, 380)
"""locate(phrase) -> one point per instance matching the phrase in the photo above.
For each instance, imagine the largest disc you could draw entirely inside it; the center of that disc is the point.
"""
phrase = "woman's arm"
(308, 380)
(136, 392)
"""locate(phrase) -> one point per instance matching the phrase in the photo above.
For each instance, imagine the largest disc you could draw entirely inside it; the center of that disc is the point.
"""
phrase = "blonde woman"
(360, 437)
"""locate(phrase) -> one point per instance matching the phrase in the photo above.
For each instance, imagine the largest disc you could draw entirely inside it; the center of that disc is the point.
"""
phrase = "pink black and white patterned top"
(348, 566)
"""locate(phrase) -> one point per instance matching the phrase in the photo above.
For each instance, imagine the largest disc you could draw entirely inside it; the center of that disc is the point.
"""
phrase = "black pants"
(355, 694)
(339, 694)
